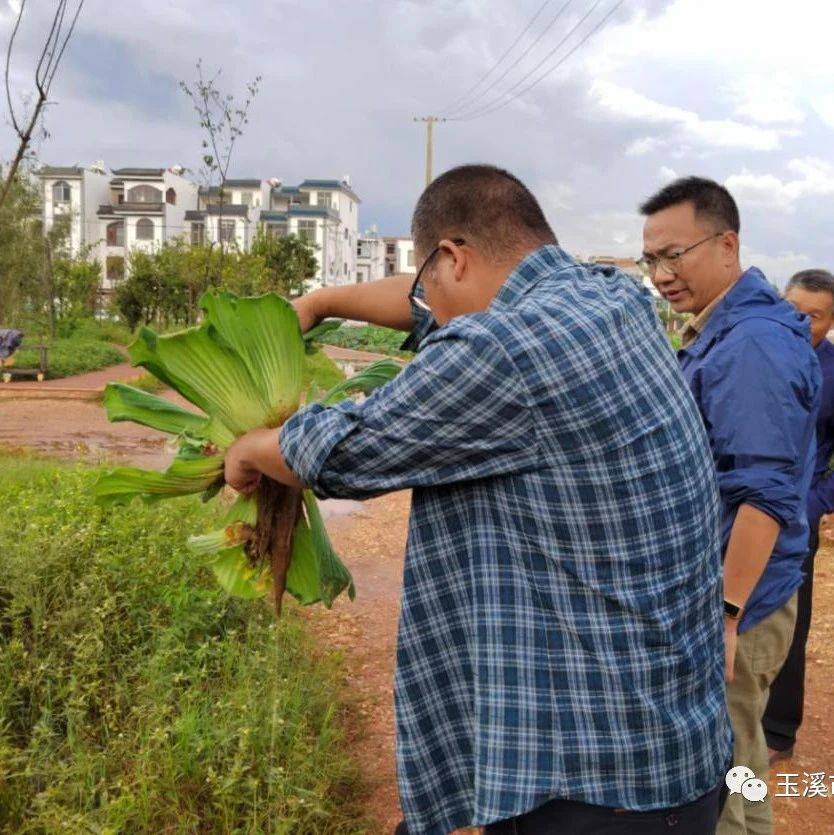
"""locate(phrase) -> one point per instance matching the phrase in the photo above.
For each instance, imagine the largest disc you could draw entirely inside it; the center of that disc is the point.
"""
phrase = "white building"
(370, 256)
(144, 209)
(74, 193)
(399, 256)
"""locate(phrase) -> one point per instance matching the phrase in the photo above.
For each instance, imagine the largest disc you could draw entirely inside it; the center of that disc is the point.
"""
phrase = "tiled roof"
(230, 209)
(336, 185)
(138, 172)
(250, 183)
(60, 171)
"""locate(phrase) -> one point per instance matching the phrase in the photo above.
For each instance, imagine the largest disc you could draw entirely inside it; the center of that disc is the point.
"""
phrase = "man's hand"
(308, 313)
(730, 646)
(253, 455)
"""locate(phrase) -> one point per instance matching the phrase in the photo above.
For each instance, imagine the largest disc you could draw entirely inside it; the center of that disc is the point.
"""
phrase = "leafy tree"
(290, 262)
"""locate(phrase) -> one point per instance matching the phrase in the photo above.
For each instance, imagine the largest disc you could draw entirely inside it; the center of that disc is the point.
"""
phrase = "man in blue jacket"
(748, 360)
(812, 293)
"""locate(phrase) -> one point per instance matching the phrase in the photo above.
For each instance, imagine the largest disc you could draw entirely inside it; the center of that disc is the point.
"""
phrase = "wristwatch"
(732, 610)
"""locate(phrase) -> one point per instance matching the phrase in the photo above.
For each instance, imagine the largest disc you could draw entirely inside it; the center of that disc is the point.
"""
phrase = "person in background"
(559, 656)
(812, 293)
(748, 359)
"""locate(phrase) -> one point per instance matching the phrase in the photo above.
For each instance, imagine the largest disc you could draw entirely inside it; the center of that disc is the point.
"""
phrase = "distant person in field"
(748, 359)
(812, 293)
(560, 657)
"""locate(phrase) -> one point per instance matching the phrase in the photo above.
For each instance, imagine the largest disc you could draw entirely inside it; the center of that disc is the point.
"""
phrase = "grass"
(80, 346)
(368, 338)
(135, 696)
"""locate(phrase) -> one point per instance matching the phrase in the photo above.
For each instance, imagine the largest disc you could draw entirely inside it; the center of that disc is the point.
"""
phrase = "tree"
(290, 262)
(25, 124)
(221, 120)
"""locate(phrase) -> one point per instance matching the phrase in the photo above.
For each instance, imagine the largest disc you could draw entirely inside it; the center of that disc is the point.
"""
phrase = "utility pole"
(429, 120)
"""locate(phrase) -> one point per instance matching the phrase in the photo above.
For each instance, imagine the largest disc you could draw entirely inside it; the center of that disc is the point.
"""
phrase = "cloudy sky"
(740, 91)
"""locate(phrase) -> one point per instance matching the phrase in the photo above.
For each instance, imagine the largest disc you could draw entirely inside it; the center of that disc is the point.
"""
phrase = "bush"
(73, 355)
(368, 338)
(135, 696)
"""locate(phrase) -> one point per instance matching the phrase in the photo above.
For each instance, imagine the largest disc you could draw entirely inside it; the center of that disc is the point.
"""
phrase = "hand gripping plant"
(243, 368)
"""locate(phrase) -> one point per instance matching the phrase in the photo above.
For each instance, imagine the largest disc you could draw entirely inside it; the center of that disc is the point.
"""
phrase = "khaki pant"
(760, 653)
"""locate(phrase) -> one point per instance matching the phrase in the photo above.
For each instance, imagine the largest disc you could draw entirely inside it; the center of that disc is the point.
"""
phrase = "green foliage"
(164, 287)
(135, 695)
(290, 262)
(320, 371)
(66, 357)
(367, 338)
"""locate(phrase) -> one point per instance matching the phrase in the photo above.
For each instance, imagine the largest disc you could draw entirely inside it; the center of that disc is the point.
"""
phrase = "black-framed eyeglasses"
(648, 264)
(413, 298)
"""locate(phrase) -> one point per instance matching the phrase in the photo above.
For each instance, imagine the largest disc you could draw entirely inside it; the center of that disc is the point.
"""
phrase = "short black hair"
(482, 204)
(709, 199)
(815, 280)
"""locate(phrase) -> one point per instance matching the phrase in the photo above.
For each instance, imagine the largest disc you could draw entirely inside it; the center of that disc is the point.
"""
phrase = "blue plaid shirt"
(561, 632)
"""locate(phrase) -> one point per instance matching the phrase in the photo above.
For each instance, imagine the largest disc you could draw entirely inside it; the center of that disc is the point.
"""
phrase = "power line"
(455, 105)
(515, 63)
(497, 104)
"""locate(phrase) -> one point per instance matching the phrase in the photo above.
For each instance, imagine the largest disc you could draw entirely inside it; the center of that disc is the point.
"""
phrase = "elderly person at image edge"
(748, 359)
(560, 658)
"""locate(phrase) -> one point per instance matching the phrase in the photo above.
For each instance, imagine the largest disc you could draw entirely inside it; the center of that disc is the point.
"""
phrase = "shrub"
(135, 696)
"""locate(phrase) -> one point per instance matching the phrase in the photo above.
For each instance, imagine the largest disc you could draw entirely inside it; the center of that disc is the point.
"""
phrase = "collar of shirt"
(694, 327)
(533, 268)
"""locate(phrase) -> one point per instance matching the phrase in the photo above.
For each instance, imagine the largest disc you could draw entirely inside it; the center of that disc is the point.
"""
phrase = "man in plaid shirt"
(560, 658)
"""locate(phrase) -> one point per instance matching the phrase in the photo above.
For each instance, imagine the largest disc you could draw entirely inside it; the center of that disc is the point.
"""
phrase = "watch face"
(731, 609)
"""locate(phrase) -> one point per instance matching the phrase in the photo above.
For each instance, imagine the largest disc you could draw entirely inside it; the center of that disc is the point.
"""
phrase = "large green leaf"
(265, 334)
(314, 334)
(240, 579)
(372, 377)
(205, 372)
(333, 576)
(183, 477)
(123, 402)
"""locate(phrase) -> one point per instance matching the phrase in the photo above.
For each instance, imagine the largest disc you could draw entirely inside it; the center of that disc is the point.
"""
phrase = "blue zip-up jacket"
(757, 382)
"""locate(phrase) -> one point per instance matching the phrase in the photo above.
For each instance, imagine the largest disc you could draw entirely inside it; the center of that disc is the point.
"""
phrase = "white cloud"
(814, 178)
(667, 174)
(765, 101)
(824, 107)
(778, 268)
(644, 145)
(723, 133)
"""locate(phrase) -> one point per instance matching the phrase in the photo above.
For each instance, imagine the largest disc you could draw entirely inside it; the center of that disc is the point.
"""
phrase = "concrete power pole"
(429, 120)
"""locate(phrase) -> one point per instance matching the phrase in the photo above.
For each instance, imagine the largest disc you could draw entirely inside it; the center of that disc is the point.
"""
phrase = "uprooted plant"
(243, 368)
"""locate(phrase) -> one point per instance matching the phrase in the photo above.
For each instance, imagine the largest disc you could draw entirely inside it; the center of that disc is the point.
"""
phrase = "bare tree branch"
(45, 71)
(8, 64)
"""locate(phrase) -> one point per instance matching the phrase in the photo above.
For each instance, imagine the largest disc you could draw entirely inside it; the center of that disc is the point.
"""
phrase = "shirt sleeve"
(760, 410)
(456, 413)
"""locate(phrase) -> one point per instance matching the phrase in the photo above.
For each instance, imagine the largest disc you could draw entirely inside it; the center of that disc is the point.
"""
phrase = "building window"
(144, 194)
(227, 231)
(389, 249)
(171, 197)
(246, 198)
(61, 192)
(346, 269)
(115, 267)
(307, 230)
(347, 234)
(144, 229)
(410, 258)
(198, 234)
(116, 233)
(277, 230)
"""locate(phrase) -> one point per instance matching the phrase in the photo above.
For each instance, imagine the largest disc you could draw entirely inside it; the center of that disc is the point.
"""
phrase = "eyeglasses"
(648, 264)
(413, 298)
